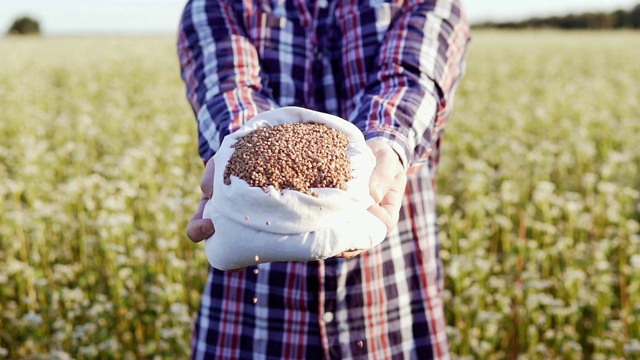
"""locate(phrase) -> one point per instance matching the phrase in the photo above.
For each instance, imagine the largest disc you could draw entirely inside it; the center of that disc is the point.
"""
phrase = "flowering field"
(538, 191)
(540, 204)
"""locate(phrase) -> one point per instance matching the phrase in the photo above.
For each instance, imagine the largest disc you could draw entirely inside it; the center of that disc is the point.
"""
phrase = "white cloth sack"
(253, 226)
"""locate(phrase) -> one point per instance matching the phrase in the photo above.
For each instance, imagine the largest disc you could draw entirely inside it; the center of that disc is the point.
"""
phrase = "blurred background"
(538, 184)
(153, 17)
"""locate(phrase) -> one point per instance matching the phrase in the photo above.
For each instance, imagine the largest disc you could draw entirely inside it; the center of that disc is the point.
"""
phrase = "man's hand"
(199, 228)
(387, 184)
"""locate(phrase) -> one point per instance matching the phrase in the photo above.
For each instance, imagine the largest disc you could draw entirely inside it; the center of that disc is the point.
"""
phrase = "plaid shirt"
(390, 67)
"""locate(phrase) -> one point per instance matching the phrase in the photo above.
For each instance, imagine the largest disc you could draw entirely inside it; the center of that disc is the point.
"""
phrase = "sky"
(87, 17)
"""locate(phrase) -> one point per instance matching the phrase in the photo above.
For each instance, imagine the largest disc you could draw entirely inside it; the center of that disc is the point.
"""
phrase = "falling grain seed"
(360, 343)
(255, 300)
(257, 258)
(256, 271)
(268, 222)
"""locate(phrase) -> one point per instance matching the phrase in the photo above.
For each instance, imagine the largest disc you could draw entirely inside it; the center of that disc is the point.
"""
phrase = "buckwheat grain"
(292, 156)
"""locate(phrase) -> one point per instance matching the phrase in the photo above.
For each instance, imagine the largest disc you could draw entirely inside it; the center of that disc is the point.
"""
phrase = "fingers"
(384, 215)
(387, 167)
(388, 210)
(237, 270)
(198, 228)
(387, 184)
(392, 201)
(349, 254)
(207, 179)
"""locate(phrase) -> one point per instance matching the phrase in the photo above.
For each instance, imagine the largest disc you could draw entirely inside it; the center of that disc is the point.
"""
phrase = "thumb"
(387, 166)
(380, 182)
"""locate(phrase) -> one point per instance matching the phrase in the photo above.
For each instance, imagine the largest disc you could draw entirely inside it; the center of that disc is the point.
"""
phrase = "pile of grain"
(297, 156)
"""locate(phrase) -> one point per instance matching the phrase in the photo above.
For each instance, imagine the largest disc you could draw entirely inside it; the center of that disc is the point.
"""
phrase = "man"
(389, 67)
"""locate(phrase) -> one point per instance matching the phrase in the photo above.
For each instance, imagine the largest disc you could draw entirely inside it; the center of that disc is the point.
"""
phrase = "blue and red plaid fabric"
(390, 67)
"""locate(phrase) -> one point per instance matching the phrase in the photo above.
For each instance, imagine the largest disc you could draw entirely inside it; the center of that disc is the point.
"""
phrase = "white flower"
(632, 347)
(32, 319)
(445, 201)
(543, 192)
(589, 180)
(509, 192)
(606, 187)
(60, 355)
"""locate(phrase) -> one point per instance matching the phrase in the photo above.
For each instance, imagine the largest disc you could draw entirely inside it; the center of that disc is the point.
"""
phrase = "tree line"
(619, 19)
(24, 26)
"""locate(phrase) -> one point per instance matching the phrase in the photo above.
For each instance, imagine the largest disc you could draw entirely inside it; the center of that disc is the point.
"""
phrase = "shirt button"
(327, 317)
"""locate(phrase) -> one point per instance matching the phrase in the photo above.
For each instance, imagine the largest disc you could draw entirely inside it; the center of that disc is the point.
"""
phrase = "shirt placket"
(327, 311)
(323, 78)
(314, 15)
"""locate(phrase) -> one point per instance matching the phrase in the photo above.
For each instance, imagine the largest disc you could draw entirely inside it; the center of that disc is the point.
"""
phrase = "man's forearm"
(221, 71)
(420, 63)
